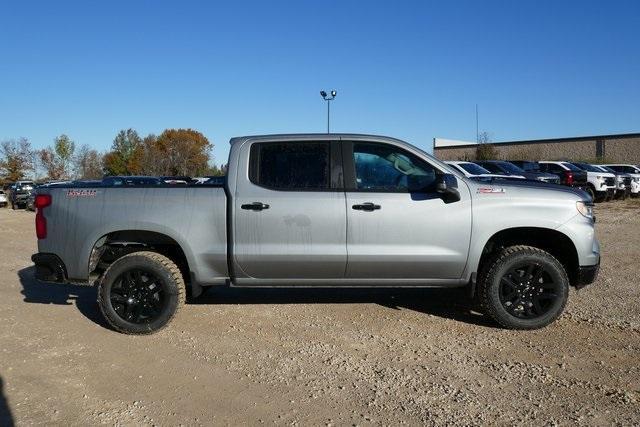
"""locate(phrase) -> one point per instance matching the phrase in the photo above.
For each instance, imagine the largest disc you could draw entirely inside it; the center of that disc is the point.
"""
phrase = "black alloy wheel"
(137, 297)
(527, 291)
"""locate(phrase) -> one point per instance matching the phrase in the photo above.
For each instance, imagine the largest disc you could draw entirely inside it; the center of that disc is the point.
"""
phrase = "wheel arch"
(115, 244)
(553, 241)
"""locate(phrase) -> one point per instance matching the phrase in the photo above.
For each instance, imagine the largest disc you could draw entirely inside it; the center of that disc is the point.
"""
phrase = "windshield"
(530, 167)
(510, 167)
(473, 169)
(587, 167)
(571, 167)
(607, 169)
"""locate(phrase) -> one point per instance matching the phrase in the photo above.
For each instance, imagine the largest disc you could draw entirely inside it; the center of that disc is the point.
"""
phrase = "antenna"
(477, 132)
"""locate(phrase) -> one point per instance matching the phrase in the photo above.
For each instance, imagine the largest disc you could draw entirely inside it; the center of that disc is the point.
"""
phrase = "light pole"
(324, 96)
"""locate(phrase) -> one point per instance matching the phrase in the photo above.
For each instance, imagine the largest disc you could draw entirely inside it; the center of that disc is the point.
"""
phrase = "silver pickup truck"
(320, 210)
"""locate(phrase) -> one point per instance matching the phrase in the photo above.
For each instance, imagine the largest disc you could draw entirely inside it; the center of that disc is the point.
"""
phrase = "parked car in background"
(532, 171)
(623, 182)
(3, 199)
(501, 167)
(569, 174)
(602, 185)
(131, 181)
(472, 170)
(31, 200)
(19, 194)
(632, 170)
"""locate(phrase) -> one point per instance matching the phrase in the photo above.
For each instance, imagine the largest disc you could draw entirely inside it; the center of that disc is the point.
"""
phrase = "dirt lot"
(321, 357)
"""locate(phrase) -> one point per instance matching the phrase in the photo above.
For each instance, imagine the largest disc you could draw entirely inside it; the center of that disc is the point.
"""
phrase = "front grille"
(610, 181)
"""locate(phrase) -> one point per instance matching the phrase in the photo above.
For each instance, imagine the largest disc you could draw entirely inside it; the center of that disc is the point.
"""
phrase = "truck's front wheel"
(524, 287)
(141, 292)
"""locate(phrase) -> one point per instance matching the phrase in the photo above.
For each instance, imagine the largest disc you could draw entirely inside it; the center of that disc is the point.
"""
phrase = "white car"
(3, 199)
(632, 170)
(602, 183)
(472, 170)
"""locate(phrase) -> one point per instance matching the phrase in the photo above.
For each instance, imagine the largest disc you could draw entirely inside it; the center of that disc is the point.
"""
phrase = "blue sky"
(413, 70)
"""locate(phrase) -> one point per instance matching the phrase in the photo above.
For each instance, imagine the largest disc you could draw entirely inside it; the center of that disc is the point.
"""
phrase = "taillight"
(41, 201)
(568, 177)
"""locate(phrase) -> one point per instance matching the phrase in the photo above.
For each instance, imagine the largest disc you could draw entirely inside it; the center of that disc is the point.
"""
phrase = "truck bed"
(193, 216)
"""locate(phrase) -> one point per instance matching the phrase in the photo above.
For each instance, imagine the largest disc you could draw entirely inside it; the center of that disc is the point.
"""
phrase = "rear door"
(398, 227)
(289, 211)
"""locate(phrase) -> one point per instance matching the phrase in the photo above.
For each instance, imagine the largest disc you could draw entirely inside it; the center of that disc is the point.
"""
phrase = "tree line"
(175, 152)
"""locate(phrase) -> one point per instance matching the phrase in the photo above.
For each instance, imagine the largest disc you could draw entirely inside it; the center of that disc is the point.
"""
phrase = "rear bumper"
(587, 275)
(49, 268)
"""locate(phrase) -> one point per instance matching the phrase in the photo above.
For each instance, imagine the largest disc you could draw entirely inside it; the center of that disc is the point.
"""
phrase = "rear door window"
(291, 166)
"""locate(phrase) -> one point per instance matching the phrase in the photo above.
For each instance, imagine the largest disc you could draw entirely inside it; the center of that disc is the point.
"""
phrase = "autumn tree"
(485, 150)
(57, 160)
(87, 163)
(125, 155)
(178, 152)
(16, 159)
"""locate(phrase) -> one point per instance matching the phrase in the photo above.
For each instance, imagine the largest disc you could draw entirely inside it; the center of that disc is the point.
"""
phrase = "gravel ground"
(321, 356)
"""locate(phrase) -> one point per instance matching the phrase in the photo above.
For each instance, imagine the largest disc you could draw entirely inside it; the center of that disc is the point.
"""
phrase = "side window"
(493, 168)
(553, 168)
(291, 165)
(381, 167)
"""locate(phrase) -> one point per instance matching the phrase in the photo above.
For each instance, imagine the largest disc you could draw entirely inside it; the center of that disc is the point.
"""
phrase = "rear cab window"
(294, 166)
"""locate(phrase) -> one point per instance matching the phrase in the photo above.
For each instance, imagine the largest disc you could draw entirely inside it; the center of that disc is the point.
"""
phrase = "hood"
(533, 185)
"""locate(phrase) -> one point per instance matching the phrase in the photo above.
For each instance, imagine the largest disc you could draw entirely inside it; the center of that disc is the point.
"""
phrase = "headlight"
(599, 177)
(585, 209)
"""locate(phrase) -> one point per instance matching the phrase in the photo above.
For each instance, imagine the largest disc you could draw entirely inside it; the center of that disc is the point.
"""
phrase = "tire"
(592, 192)
(131, 307)
(525, 305)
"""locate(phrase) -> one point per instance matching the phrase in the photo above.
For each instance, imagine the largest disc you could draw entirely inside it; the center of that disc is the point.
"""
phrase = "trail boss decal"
(491, 190)
(81, 193)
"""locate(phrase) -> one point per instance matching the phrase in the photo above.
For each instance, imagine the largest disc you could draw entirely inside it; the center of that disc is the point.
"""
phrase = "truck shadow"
(447, 303)
(452, 304)
(6, 419)
(37, 292)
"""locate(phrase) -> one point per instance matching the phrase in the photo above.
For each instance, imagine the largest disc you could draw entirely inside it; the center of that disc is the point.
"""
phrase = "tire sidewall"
(552, 267)
(166, 282)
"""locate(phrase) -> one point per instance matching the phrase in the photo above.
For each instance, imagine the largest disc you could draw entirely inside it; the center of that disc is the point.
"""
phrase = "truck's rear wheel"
(141, 292)
(524, 288)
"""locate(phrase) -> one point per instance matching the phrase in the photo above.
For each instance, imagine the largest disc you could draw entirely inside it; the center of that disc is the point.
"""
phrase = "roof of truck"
(308, 136)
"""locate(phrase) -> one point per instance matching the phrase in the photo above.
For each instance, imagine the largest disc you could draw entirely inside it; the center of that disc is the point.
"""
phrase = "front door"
(398, 226)
(290, 220)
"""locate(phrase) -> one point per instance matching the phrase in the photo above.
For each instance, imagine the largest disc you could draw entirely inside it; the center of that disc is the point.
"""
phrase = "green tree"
(16, 159)
(57, 160)
(125, 155)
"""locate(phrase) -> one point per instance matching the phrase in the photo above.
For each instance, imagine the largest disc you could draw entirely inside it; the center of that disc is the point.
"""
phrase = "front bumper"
(587, 275)
(49, 268)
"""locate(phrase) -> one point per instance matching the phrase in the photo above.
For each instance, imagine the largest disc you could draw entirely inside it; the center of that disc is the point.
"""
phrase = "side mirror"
(447, 187)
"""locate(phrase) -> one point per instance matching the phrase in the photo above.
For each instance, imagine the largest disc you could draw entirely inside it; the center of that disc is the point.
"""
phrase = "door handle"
(368, 207)
(255, 206)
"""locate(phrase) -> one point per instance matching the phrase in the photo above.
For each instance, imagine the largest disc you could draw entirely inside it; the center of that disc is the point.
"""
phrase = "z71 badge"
(81, 193)
(491, 190)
